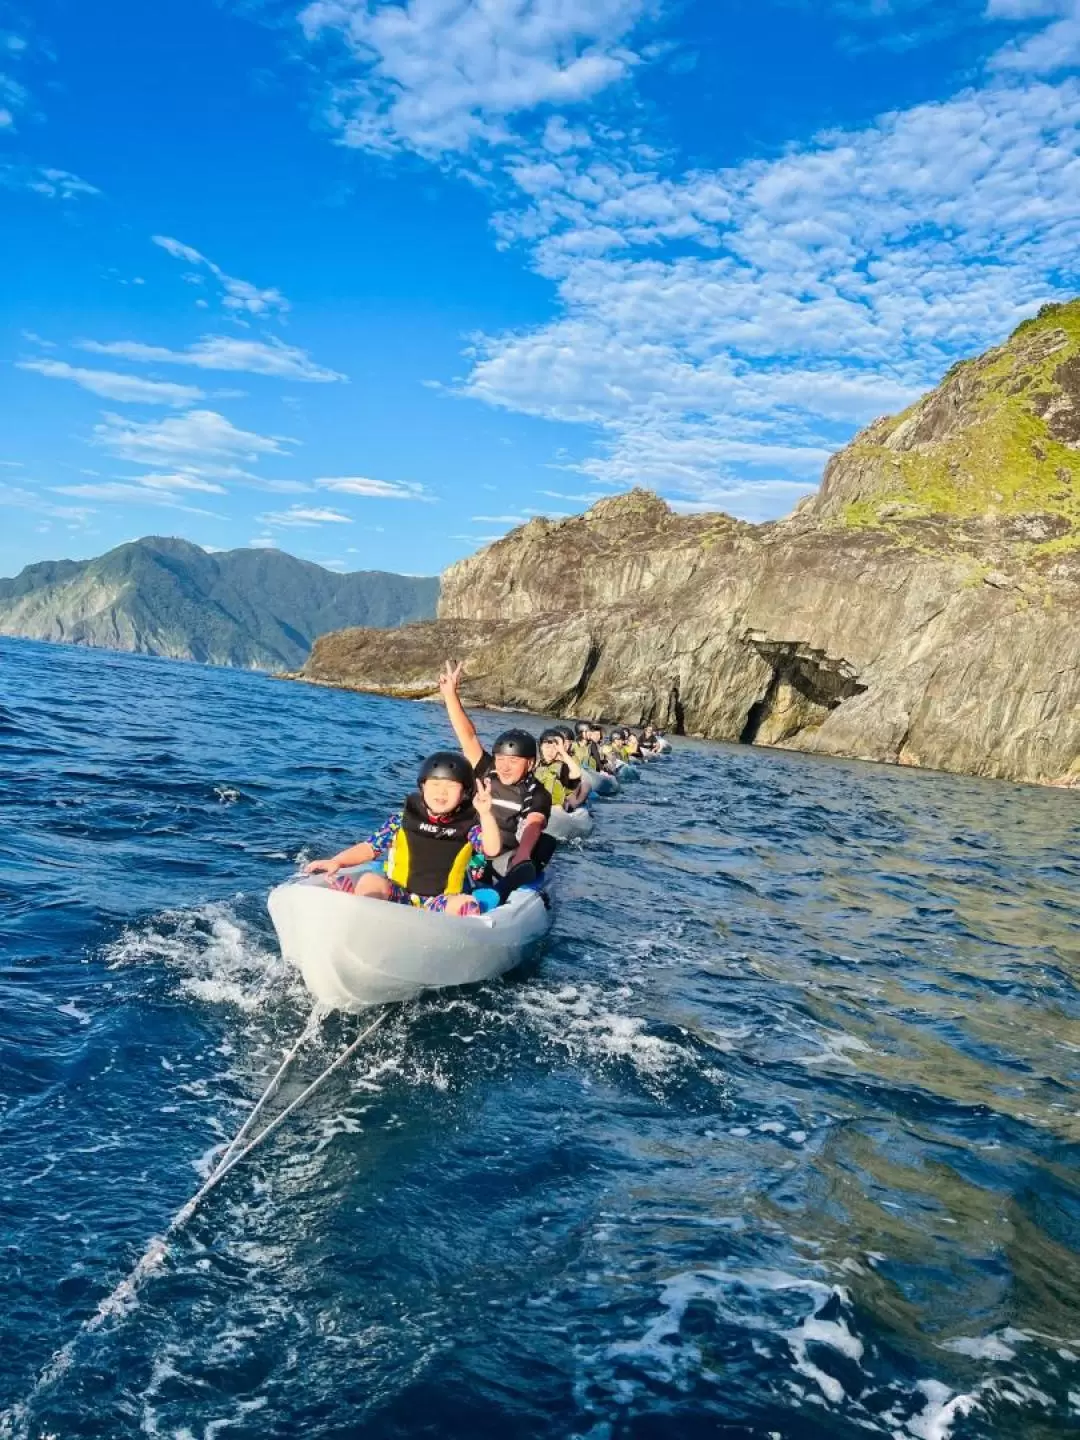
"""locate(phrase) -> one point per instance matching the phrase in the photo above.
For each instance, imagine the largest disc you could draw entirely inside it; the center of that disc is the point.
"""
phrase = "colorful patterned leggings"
(400, 896)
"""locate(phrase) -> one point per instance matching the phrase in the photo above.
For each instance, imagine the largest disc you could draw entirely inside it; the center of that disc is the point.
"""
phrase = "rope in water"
(123, 1296)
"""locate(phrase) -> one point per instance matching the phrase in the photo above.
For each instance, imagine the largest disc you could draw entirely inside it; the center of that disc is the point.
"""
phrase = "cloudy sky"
(375, 281)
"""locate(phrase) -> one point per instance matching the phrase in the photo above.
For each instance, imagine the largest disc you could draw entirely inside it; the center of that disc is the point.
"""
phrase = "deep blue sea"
(778, 1139)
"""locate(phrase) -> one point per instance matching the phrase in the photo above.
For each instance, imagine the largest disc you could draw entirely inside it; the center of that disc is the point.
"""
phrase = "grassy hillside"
(999, 438)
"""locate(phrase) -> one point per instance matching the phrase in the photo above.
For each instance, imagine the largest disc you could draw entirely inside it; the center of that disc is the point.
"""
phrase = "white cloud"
(1054, 47)
(281, 487)
(19, 498)
(239, 294)
(500, 519)
(53, 184)
(722, 330)
(113, 386)
(223, 352)
(128, 493)
(808, 293)
(183, 442)
(440, 75)
(373, 489)
(263, 542)
(181, 480)
(304, 515)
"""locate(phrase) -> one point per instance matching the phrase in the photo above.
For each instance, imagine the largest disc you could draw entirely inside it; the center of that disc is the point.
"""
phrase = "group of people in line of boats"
(477, 820)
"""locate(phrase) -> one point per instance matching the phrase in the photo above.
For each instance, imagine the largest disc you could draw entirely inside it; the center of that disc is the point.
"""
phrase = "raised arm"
(566, 755)
(464, 729)
(490, 836)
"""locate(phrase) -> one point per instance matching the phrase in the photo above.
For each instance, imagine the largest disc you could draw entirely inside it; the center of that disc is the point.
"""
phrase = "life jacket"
(580, 752)
(511, 803)
(430, 855)
(553, 779)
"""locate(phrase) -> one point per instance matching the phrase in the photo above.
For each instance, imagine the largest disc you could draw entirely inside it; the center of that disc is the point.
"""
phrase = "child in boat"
(437, 847)
(520, 802)
(559, 771)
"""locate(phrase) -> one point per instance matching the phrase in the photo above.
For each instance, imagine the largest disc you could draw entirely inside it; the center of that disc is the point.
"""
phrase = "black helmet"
(567, 732)
(515, 742)
(553, 733)
(447, 765)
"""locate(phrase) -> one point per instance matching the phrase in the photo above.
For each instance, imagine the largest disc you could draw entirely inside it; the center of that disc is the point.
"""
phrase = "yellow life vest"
(548, 775)
(428, 857)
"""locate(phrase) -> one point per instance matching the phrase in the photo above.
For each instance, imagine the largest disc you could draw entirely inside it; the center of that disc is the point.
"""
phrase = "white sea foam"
(984, 1347)
(76, 1014)
(942, 1408)
(216, 957)
(756, 1301)
(585, 1021)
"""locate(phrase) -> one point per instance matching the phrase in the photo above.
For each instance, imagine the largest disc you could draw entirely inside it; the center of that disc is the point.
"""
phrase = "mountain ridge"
(161, 595)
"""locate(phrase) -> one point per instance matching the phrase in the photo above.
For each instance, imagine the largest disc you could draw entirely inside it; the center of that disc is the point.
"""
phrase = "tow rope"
(14, 1423)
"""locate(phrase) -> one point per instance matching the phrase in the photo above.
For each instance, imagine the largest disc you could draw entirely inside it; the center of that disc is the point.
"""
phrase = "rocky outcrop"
(159, 596)
(922, 609)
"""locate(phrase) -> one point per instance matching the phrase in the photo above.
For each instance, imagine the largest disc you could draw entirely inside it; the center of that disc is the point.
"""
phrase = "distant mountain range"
(257, 609)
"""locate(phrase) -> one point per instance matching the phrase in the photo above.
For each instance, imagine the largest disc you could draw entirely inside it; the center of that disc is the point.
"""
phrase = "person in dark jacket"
(520, 802)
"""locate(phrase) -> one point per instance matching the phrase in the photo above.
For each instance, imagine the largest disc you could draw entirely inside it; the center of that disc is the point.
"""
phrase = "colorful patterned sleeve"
(383, 838)
(477, 867)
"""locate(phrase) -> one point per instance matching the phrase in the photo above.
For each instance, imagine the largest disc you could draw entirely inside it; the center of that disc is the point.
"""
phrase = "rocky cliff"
(159, 596)
(921, 609)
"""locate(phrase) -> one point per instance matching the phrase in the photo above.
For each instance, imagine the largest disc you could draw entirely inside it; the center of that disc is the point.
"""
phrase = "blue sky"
(374, 281)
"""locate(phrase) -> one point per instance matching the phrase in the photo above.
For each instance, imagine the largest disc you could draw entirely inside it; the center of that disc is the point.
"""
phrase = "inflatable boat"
(353, 951)
(627, 773)
(599, 783)
(569, 824)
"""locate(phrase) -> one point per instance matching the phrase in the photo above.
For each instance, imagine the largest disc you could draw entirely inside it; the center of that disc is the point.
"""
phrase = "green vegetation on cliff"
(998, 440)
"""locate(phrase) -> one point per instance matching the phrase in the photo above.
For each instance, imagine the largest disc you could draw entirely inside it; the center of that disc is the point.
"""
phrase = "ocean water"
(778, 1139)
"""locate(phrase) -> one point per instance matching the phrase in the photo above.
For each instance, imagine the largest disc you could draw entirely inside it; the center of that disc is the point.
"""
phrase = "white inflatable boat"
(600, 783)
(353, 951)
(569, 824)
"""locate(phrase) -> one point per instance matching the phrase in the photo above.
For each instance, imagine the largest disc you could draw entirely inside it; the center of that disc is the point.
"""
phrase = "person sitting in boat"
(599, 749)
(436, 848)
(520, 802)
(614, 749)
(559, 772)
(580, 748)
(631, 745)
(650, 740)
